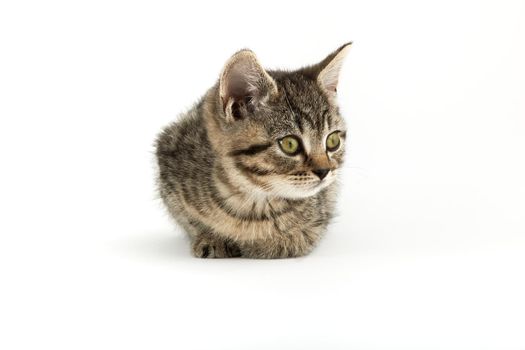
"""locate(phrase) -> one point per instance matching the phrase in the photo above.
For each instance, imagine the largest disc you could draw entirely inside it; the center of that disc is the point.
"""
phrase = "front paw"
(206, 246)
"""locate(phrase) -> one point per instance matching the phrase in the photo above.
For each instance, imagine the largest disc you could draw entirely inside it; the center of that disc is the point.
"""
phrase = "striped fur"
(224, 177)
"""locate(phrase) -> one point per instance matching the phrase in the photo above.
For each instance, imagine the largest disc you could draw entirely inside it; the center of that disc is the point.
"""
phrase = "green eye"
(333, 141)
(289, 145)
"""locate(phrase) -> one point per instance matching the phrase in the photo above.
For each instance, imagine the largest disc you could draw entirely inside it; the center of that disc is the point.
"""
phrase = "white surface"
(426, 253)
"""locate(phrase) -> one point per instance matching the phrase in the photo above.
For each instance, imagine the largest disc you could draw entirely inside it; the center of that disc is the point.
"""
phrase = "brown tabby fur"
(224, 177)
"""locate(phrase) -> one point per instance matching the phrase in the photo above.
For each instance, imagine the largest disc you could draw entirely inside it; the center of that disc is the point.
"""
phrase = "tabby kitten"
(250, 170)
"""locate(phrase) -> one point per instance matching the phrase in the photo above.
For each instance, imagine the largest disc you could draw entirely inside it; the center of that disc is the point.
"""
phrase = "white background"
(428, 249)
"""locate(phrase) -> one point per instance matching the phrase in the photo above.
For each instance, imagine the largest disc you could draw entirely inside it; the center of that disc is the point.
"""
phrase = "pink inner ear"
(332, 87)
(237, 83)
(329, 75)
(244, 83)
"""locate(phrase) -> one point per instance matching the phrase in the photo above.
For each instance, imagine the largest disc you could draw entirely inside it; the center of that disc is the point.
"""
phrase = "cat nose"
(321, 173)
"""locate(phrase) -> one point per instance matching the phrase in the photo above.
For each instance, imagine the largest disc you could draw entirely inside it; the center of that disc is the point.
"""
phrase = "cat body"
(251, 169)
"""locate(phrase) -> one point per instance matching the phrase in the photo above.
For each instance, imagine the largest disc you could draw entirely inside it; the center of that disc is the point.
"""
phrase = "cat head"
(280, 133)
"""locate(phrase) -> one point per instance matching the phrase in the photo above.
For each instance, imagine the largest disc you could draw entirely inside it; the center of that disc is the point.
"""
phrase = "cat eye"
(290, 145)
(333, 141)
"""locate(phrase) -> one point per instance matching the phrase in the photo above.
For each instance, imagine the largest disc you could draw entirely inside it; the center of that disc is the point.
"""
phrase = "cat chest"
(252, 223)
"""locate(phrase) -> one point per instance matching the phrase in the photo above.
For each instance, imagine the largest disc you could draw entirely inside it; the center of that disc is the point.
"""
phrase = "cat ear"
(244, 85)
(330, 67)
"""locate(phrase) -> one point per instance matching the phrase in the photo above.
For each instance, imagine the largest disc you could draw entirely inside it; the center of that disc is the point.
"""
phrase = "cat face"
(281, 132)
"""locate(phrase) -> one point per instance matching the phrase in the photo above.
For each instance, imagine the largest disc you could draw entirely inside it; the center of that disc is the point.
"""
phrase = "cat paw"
(209, 248)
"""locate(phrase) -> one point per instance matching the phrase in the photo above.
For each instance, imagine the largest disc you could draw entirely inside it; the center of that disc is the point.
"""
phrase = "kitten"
(250, 170)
